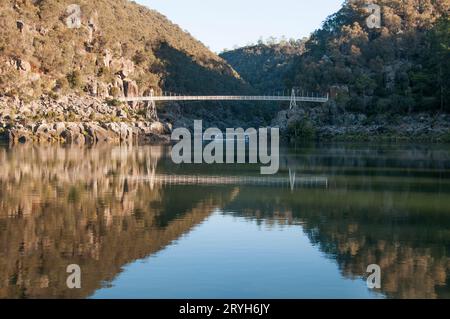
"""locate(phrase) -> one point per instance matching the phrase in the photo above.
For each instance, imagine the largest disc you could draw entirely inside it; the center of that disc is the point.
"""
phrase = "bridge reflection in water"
(103, 208)
(294, 181)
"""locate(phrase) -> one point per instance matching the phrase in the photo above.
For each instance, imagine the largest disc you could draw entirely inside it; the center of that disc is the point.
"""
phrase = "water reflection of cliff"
(387, 205)
(406, 234)
(61, 206)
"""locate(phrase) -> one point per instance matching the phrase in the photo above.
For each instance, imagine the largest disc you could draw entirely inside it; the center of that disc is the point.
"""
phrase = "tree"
(430, 77)
(406, 60)
(440, 58)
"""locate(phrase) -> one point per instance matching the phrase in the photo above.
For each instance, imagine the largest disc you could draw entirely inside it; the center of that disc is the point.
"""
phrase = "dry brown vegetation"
(40, 54)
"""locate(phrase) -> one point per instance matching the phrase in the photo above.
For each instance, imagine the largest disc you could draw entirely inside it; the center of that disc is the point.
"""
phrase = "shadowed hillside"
(264, 66)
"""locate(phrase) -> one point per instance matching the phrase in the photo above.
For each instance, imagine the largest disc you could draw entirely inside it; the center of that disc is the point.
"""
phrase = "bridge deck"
(225, 98)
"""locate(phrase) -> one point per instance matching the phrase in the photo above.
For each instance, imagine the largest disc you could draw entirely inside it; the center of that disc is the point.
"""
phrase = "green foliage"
(446, 138)
(71, 117)
(401, 67)
(113, 102)
(430, 79)
(114, 119)
(265, 66)
(75, 79)
(53, 95)
(302, 130)
(364, 84)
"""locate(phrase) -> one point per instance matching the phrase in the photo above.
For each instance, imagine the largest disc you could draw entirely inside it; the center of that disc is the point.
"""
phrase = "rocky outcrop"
(86, 56)
(122, 66)
(131, 89)
(87, 133)
(62, 47)
(331, 123)
(76, 120)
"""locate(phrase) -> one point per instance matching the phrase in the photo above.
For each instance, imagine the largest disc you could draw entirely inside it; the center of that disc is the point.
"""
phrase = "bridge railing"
(322, 99)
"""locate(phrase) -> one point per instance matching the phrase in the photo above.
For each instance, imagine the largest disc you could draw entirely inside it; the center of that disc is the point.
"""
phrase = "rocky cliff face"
(60, 61)
(329, 122)
(102, 47)
(76, 120)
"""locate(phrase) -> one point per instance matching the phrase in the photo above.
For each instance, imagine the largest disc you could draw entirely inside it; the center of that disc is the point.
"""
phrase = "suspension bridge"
(293, 98)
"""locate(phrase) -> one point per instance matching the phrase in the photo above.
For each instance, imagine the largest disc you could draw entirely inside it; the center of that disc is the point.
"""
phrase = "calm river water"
(136, 231)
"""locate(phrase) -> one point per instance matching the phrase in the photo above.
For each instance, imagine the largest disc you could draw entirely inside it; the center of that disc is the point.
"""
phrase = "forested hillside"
(400, 67)
(265, 65)
(56, 56)
(388, 78)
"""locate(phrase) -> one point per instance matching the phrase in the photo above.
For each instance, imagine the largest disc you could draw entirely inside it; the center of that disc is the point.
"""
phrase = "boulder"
(102, 90)
(130, 87)
(122, 66)
(73, 16)
(19, 135)
(42, 128)
(92, 86)
(33, 77)
(73, 134)
(126, 132)
(99, 134)
(158, 128)
(118, 87)
(59, 128)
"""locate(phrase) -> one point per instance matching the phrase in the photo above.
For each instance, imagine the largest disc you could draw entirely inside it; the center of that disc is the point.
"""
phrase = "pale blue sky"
(223, 24)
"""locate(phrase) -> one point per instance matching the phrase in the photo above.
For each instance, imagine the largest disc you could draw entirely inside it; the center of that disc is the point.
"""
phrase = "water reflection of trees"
(406, 234)
(363, 159)
(61, 206)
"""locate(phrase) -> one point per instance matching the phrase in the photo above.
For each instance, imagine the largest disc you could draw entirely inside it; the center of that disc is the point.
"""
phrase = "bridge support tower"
(293, 103)
(151, 112)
